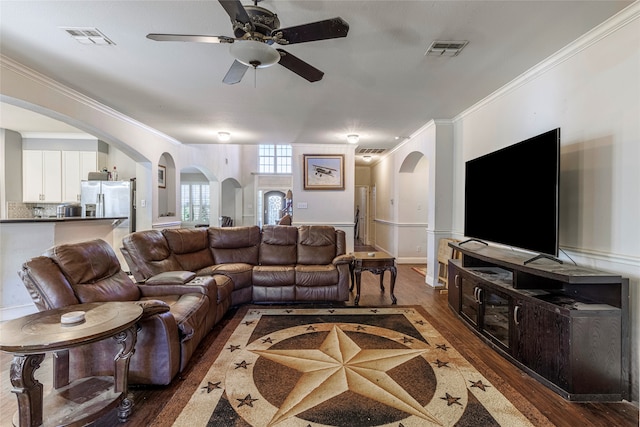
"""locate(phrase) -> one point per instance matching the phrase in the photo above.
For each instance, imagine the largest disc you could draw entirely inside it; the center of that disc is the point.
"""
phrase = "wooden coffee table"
(376, 263)
(81, 401)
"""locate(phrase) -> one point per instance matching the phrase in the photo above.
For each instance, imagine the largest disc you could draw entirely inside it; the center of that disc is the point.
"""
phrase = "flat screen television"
(512, 195)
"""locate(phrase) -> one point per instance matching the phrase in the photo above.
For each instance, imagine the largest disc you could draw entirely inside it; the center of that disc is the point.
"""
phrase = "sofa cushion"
(239, 273)
(190, 247)
(316, 275)
(48, 287)
(316, 244)
(148, 254)
(234, 244)
(273, 275)
(94, 272)
(279, 245)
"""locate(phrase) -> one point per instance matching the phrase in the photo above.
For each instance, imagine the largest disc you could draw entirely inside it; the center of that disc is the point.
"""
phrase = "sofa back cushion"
(147, 253)
(190, 247)
(48, 287)
(316, 244)
(234, 244)
(94, 272)
(279, 245)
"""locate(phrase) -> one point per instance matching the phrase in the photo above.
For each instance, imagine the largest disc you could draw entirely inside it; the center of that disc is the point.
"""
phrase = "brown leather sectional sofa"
(279, 263)
(186, 280)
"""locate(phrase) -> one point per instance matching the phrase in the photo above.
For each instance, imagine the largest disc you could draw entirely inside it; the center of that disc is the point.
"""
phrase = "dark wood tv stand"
(565, 325)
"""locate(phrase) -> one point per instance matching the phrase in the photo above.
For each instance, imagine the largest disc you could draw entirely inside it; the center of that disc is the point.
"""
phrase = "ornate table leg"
(358, 272)
(27, 388)
(128, 340)
(381, 272)
(392, 285)
(351, 267)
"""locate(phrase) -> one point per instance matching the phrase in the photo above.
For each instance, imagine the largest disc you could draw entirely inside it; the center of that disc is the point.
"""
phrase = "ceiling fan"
(256, 29)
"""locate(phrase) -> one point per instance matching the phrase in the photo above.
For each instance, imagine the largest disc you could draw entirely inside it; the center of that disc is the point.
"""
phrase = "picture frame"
(162, 176)
(323, 171)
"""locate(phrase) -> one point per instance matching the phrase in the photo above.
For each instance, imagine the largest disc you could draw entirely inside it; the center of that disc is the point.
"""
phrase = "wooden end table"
(81, 401)
(376, 263)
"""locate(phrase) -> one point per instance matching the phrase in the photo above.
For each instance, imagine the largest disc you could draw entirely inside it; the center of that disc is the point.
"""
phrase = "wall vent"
(371, 150)
(86, 35)
(446, 48)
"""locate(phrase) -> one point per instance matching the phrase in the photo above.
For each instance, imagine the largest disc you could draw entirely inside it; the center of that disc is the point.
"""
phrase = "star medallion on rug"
(344, 367)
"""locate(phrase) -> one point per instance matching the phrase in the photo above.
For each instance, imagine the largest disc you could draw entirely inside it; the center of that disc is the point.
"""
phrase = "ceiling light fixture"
(353, 138)
(254, 53)
(366, 158)
(224, 136)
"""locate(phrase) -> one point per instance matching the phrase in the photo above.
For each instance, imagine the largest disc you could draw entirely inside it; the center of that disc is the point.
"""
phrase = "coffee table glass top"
(44, 331)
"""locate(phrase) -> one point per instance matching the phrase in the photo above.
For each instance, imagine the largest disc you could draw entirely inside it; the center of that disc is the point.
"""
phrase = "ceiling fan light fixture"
(353, 138)
(224, 136)
(254, 53)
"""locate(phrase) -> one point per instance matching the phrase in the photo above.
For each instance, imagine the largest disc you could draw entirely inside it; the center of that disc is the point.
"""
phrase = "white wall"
(413, 199)
(591, 90)
(10, 167)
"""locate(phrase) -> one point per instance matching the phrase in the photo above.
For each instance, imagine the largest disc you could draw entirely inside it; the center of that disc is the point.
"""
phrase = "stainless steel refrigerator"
(111, 199)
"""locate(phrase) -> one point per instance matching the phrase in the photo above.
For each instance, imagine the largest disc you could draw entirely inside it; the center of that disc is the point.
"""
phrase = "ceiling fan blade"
(321, 30)
(237, 13)
(235, 73)
(299, 67)
(189, 38)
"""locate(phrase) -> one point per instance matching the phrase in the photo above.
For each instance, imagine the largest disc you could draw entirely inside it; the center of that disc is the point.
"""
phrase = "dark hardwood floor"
(410, 290)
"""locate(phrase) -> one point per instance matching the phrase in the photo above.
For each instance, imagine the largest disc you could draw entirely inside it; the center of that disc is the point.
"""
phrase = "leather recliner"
(179, 309)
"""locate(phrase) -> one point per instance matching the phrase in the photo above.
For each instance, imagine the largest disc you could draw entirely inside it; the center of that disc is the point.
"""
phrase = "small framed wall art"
(323, 171)
(162, 176)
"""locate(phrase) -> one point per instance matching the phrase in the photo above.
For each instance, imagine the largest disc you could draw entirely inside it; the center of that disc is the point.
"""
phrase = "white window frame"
(275, 159)
(193, 220)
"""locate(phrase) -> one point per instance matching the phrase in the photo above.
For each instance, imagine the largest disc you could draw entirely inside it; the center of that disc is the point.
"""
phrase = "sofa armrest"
(205, 285)
(152, 307)
(343, 259)
(171, 278)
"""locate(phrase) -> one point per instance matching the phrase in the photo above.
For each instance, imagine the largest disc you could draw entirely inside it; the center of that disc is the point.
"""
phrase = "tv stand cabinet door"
(541, 340)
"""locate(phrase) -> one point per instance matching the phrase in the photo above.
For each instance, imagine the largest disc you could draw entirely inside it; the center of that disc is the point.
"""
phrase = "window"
(195, 202)
(274, 159)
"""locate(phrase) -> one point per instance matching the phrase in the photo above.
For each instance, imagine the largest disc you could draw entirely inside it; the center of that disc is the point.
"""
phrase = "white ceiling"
(378, 83)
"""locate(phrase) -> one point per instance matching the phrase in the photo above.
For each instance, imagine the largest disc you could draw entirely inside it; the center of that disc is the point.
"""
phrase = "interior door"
(361, 216)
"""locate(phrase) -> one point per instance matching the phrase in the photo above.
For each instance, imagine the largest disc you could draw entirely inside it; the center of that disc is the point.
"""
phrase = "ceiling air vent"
(446, 48)
(372, 150)
(86, 35)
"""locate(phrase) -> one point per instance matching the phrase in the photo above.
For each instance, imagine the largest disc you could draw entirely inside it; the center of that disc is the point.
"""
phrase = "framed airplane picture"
(323, 171)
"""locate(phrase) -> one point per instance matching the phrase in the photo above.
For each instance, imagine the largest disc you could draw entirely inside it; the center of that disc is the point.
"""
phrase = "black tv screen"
(512, 195)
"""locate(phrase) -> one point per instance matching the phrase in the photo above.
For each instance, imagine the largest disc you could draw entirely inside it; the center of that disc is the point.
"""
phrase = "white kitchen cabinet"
(42, 176)
(76, 166)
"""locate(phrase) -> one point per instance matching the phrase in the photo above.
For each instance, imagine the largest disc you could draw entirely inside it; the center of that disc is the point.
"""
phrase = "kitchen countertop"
(56, 219)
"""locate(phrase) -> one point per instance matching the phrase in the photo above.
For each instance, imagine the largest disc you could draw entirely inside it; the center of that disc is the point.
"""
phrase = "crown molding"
(600, 32)
(72, 94)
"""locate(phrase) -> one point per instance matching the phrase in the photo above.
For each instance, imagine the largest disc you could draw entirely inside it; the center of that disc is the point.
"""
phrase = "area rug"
(420, 270)
(344, 367)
